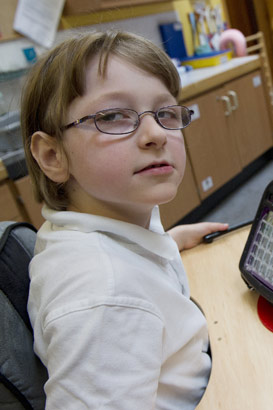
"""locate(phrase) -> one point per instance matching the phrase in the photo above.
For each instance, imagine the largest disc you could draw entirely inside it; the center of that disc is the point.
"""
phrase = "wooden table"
(242, 348)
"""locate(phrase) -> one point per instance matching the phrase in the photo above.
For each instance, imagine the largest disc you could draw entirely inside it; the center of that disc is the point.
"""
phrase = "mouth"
(155, 168)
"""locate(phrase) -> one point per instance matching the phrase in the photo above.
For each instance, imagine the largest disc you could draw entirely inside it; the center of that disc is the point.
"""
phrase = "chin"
(167, 196)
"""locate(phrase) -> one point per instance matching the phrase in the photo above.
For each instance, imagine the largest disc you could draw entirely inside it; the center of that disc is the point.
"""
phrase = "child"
(109, 299)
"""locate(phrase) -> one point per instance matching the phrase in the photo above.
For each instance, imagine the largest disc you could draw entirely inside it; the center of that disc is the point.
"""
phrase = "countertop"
(201, 80)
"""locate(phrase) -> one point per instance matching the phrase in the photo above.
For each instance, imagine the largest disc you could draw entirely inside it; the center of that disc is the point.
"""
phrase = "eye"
(111, 116)
(116, 121)
(168, 113)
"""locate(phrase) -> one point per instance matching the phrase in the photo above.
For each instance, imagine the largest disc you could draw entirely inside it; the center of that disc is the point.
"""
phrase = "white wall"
(12, 58)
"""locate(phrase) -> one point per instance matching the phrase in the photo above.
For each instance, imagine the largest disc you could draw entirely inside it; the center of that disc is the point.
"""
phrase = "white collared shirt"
(113, 322)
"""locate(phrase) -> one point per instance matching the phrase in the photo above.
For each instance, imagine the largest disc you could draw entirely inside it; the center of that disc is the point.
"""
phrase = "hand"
(188, 236)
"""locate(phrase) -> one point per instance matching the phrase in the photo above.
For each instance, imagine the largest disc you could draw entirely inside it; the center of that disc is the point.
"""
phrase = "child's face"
(110, 175)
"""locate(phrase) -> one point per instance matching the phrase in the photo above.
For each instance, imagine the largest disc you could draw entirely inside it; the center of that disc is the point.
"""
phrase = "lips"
(156, 167)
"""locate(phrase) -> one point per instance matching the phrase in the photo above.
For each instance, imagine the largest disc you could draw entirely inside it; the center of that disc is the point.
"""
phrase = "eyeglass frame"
(154, 113)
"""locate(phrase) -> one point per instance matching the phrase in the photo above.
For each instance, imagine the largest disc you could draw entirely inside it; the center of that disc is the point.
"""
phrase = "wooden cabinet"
(9, 210)
(187, 198)
(212, 151)
(248, 120)
(74, 7)
(32, 208)
(17, 202)
(230, 128)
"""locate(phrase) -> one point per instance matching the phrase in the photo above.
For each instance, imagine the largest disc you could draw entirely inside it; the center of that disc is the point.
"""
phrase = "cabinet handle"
(228, 105)
(235, 101)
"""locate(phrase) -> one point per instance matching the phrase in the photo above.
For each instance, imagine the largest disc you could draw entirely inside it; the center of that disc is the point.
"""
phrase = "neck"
(116, 211)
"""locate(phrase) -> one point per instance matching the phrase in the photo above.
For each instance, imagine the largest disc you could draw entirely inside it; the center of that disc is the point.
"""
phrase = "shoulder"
(76, 266)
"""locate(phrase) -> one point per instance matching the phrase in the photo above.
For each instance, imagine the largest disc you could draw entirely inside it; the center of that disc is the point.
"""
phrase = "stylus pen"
(211, 236)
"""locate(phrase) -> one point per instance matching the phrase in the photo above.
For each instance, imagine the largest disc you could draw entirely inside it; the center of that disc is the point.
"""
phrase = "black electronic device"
(256, 263)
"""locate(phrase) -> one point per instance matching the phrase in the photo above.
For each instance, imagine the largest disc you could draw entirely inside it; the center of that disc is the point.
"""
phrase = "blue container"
(173, 40)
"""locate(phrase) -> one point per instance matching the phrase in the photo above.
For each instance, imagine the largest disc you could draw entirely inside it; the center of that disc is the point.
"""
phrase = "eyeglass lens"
(124, 121)
(117, 121)
(174, 117)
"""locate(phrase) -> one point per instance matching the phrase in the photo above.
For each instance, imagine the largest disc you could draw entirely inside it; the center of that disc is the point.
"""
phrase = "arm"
(188, 236)
(103, 355)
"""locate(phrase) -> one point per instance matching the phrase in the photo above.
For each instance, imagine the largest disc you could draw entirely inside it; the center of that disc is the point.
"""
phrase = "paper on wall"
(38, 19)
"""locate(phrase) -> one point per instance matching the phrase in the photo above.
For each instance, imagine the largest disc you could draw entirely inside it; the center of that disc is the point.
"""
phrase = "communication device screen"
(256, 263)
(259, 260)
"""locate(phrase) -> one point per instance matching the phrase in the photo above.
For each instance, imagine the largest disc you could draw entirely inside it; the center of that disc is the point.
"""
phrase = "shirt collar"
(154, 239)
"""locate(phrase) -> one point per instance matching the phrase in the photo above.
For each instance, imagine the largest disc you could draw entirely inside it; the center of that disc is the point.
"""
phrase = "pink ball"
(237, 39)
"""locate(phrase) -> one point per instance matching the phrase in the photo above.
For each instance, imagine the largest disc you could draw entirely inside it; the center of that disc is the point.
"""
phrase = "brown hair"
(59, 77)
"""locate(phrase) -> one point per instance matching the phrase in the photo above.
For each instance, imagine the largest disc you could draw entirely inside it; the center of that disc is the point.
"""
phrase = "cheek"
(104, 166)
(179, 153)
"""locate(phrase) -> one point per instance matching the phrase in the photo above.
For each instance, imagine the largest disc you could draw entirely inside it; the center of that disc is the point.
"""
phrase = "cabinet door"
(249, 121)
(33, 209)
(212, 150)
(8, 207)
(185, 201)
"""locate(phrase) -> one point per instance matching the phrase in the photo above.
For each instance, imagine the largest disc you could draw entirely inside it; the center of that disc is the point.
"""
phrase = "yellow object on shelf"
(207, 61)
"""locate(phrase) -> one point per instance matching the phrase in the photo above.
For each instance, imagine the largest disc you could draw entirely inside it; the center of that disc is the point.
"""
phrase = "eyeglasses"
(119, 121)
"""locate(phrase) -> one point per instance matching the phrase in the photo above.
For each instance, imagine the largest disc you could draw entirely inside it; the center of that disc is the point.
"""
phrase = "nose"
(150, 133)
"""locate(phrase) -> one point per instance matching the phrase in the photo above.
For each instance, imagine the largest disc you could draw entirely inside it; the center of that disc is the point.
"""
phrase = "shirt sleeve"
(104, 356)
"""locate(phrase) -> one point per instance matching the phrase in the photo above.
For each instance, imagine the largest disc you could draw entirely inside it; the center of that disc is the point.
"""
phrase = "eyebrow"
(111, 96)
(124, 95)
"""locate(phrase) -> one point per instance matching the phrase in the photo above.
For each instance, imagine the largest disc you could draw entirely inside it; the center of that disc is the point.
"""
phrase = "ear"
(50, 156)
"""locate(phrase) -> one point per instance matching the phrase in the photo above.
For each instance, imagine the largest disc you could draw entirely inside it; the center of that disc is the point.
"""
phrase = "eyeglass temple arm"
(77, 122)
